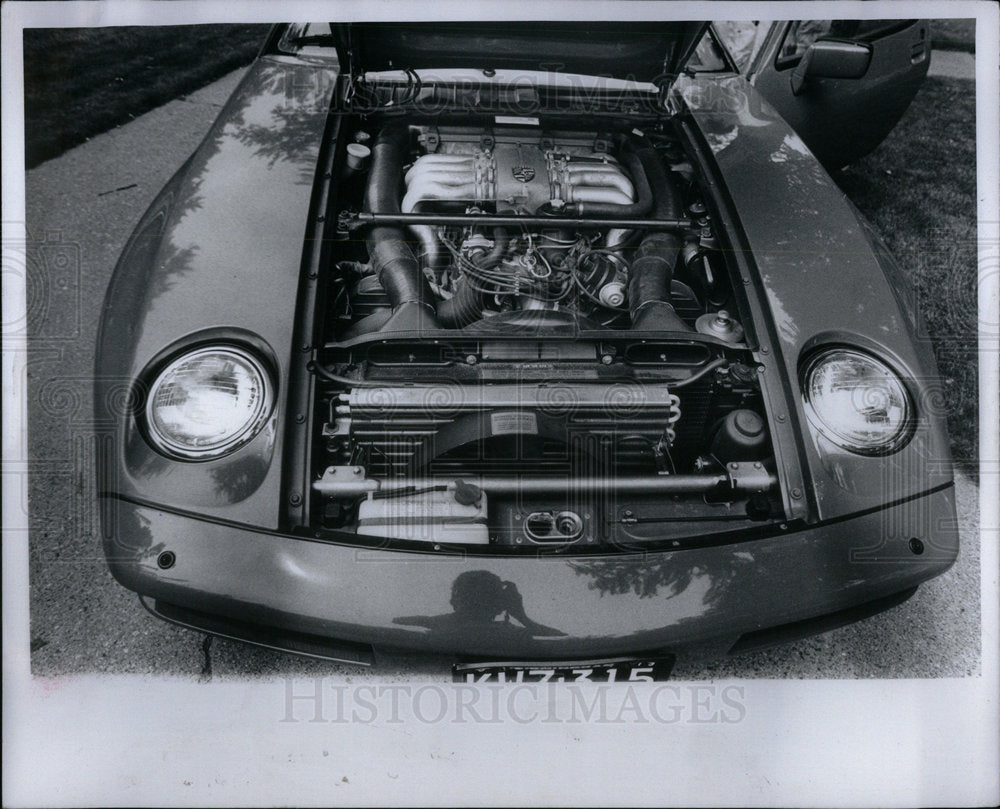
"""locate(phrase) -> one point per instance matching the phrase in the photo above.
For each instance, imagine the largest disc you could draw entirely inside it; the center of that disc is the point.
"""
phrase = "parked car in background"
(552, 348)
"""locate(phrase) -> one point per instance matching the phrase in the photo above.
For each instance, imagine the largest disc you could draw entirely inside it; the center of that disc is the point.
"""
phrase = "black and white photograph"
(479, 404)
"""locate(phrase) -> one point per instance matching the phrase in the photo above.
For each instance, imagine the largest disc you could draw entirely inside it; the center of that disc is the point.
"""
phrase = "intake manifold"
(519, 176)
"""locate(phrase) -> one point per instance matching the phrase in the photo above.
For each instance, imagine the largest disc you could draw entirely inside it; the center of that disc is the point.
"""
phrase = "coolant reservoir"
(742, 436)
(428, 516)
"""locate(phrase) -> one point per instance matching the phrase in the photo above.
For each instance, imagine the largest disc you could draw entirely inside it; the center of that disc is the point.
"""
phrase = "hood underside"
(622, 50)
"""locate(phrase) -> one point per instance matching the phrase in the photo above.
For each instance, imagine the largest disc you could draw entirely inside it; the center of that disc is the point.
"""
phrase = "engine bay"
(530, 338)
(489, 224)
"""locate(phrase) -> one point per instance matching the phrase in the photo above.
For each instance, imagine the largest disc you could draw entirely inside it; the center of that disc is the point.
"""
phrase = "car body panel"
(823, 283)
(599, 604)
(238, 210)
(841, 120)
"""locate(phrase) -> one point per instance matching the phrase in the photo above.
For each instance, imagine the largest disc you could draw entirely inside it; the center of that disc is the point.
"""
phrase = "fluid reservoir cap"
(721, 325)
(467, 494)
(357, 156)
(748, 423)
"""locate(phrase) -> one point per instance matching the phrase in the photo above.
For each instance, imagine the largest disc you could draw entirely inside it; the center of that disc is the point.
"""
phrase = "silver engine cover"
(522, 171)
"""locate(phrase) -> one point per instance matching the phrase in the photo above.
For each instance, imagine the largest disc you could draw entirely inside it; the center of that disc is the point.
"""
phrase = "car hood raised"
(640, 51)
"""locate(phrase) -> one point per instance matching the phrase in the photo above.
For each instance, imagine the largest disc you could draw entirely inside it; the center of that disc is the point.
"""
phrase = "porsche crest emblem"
(523, 174)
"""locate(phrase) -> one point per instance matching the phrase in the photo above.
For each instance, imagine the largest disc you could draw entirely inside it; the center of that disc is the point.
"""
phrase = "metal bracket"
(749, 476)
(340, 427)
(347, 481)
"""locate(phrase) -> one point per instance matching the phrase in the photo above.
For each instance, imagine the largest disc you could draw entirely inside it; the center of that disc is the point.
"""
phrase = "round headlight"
(207, 403)
(856, 401)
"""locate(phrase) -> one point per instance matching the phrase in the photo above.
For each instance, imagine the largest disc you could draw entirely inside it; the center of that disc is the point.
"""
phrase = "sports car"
(548, 347)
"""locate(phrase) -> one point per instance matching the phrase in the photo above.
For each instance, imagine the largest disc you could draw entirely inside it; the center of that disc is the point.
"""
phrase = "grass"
(919, 190)
(954, 35)
(79, 82)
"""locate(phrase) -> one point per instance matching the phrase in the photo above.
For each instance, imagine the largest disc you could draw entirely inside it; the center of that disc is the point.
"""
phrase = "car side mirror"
(831, 59)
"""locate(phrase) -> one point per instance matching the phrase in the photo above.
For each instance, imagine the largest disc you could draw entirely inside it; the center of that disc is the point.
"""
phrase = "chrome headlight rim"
(907, 424)
(175, 450)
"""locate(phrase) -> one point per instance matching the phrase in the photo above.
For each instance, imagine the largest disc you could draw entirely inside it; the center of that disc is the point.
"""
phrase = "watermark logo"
(46, 270)
(320, 700)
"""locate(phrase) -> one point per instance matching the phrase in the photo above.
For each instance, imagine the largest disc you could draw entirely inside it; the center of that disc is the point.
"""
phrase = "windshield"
(311, 41)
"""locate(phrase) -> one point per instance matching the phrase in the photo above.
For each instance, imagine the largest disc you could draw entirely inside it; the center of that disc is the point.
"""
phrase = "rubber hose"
(495, 256)
(391, 257)
(462, 308)
(466, 305)
(432, 255)
(636, 160)
(652, 267)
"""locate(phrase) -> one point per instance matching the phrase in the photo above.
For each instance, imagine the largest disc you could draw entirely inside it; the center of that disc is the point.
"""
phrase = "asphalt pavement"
(81, 208)
(953, 64)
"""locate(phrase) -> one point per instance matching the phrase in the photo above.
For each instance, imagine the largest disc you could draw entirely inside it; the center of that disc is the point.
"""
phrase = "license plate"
(619, 670)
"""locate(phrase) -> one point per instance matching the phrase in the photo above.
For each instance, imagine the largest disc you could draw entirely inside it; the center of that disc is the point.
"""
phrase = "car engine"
(604, 276)
(531, 345)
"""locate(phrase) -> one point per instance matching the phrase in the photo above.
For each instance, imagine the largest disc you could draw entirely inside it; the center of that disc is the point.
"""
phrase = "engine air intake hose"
(462, 308)
(391, 257)
(652, 268)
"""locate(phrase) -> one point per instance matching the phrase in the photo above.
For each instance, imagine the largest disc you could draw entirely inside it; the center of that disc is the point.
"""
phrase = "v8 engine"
(519, 172)
(558, 253)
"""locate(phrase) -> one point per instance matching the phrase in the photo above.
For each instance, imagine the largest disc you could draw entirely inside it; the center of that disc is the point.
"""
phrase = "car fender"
(217, 258)
(820, 279)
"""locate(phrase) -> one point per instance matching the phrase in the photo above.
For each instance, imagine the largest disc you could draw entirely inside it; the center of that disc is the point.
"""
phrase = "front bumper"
(719, 598)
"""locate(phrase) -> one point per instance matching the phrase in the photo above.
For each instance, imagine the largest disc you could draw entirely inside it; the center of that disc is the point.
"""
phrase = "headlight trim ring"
(891, 394)
(244, 363)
